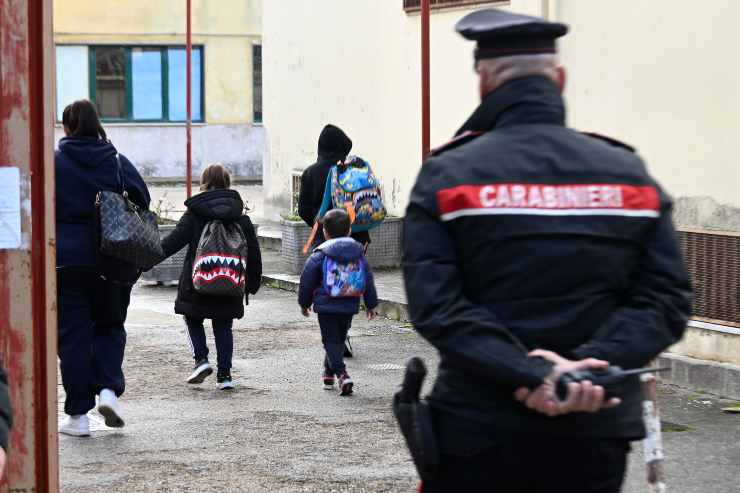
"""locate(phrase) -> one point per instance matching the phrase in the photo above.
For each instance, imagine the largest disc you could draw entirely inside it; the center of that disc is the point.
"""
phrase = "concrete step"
(269, 236)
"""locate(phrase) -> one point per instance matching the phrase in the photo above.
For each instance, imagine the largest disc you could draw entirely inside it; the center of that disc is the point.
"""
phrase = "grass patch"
(732, 408)
(668, 427)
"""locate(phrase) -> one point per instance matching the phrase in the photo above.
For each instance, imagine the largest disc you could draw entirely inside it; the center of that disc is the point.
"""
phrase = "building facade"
(129, 58)
(654, 74)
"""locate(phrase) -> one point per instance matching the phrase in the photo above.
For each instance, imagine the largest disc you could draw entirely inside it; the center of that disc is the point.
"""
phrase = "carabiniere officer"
(531, 249)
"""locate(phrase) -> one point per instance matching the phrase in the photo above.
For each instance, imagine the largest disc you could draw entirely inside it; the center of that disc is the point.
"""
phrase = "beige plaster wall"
(357, 64)
(226, 28)
(710, 345)
(661, 75)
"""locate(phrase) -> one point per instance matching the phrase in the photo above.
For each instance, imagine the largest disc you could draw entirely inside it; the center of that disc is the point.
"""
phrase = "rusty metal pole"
(27, 265)
(425, 83)
(188, 96)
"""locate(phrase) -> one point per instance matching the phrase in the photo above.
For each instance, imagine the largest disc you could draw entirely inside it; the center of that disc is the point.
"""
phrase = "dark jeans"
(92, 339)
(536, 464)
(334, 330)
(224, 341)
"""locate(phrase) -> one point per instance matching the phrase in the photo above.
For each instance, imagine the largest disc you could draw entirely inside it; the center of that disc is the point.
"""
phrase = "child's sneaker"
(328, 379)
(345, 384)
(202, 370)
(224, 381)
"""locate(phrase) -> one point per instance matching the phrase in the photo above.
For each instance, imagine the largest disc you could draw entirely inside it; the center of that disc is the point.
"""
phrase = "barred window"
(257, 83)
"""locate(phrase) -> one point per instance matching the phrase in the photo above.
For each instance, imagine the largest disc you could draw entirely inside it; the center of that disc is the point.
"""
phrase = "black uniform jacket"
(225, 205)
(6, 413)
(525, 234)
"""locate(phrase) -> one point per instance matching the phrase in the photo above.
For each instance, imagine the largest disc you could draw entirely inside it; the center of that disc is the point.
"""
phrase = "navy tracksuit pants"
(334, 330)
(92, 338)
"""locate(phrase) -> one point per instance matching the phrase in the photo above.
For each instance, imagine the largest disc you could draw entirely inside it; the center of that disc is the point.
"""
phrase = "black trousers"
(535, 464)
(92, 338)
(334, 330)
(224, 341)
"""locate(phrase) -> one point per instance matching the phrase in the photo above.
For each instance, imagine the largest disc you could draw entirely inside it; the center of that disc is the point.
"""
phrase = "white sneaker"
(76, 426)
(202, 370)
(226, 385)
(108, 407)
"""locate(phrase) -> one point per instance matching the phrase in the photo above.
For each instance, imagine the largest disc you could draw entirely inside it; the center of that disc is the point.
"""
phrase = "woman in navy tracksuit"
(93, 291)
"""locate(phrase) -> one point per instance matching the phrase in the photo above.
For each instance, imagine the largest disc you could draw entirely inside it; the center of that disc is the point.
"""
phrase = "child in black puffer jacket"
(216, 202)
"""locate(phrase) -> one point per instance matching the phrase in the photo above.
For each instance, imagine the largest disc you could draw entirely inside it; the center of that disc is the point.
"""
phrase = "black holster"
(415, 420)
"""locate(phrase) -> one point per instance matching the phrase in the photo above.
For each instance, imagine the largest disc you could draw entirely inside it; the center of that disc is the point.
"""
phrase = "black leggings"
(224, 341)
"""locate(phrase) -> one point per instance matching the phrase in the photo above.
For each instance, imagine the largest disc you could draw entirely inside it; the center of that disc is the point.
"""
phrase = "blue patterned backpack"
(345, 279)
(353, 186)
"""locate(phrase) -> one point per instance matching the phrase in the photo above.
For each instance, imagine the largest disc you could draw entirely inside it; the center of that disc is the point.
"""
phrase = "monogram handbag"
(126, 231)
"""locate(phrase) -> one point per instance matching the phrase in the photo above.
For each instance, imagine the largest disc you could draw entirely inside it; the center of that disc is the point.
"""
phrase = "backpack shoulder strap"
(326, 201)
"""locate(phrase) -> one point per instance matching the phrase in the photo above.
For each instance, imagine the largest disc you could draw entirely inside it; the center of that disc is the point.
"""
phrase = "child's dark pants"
(224, 341)
(334, 330)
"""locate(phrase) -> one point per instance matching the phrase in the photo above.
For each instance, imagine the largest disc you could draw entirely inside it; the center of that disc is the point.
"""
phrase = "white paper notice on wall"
(10, 208)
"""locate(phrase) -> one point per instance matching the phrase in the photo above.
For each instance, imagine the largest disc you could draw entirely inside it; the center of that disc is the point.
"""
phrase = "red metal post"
(40, 108)
(27, 273)
(425, 83)
(188, 95)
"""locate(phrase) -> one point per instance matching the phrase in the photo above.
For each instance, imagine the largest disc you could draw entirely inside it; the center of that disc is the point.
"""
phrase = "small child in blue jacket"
(334, 279)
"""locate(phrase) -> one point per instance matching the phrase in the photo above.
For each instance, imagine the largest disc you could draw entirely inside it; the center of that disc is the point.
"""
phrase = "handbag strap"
(121, 179)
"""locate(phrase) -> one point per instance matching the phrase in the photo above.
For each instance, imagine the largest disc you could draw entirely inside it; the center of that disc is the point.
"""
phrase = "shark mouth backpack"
(356, 189)
(220, 265)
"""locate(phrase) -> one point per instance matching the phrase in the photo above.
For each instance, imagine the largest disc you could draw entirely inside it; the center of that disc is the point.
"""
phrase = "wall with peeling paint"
(28, 274)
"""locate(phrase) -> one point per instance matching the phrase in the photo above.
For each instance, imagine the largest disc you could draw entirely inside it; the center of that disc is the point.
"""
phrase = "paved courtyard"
(281, 432)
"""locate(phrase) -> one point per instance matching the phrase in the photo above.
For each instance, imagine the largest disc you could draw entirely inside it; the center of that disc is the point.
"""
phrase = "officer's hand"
(306, 312)
(582, 397)
(371, 314)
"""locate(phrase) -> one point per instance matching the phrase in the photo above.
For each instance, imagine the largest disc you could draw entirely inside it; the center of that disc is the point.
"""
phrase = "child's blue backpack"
(353, 186)
(344, 279)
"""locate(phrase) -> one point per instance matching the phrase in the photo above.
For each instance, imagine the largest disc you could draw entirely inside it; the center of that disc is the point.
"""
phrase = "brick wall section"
(171, 268)
(295, 235)
(385, 249)
(384, 252)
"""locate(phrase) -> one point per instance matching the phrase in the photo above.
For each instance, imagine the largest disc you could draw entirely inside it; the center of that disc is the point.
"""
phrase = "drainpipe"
(188, 96)
(546, 9)
(425, 92)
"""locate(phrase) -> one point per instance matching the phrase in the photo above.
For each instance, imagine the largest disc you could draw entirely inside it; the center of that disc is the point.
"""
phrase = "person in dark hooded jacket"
(216, 202)
(338, 303)
(334, 146)
(93, 290)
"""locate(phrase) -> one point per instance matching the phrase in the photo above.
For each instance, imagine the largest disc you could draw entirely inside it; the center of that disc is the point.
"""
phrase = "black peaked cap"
(500, 33)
